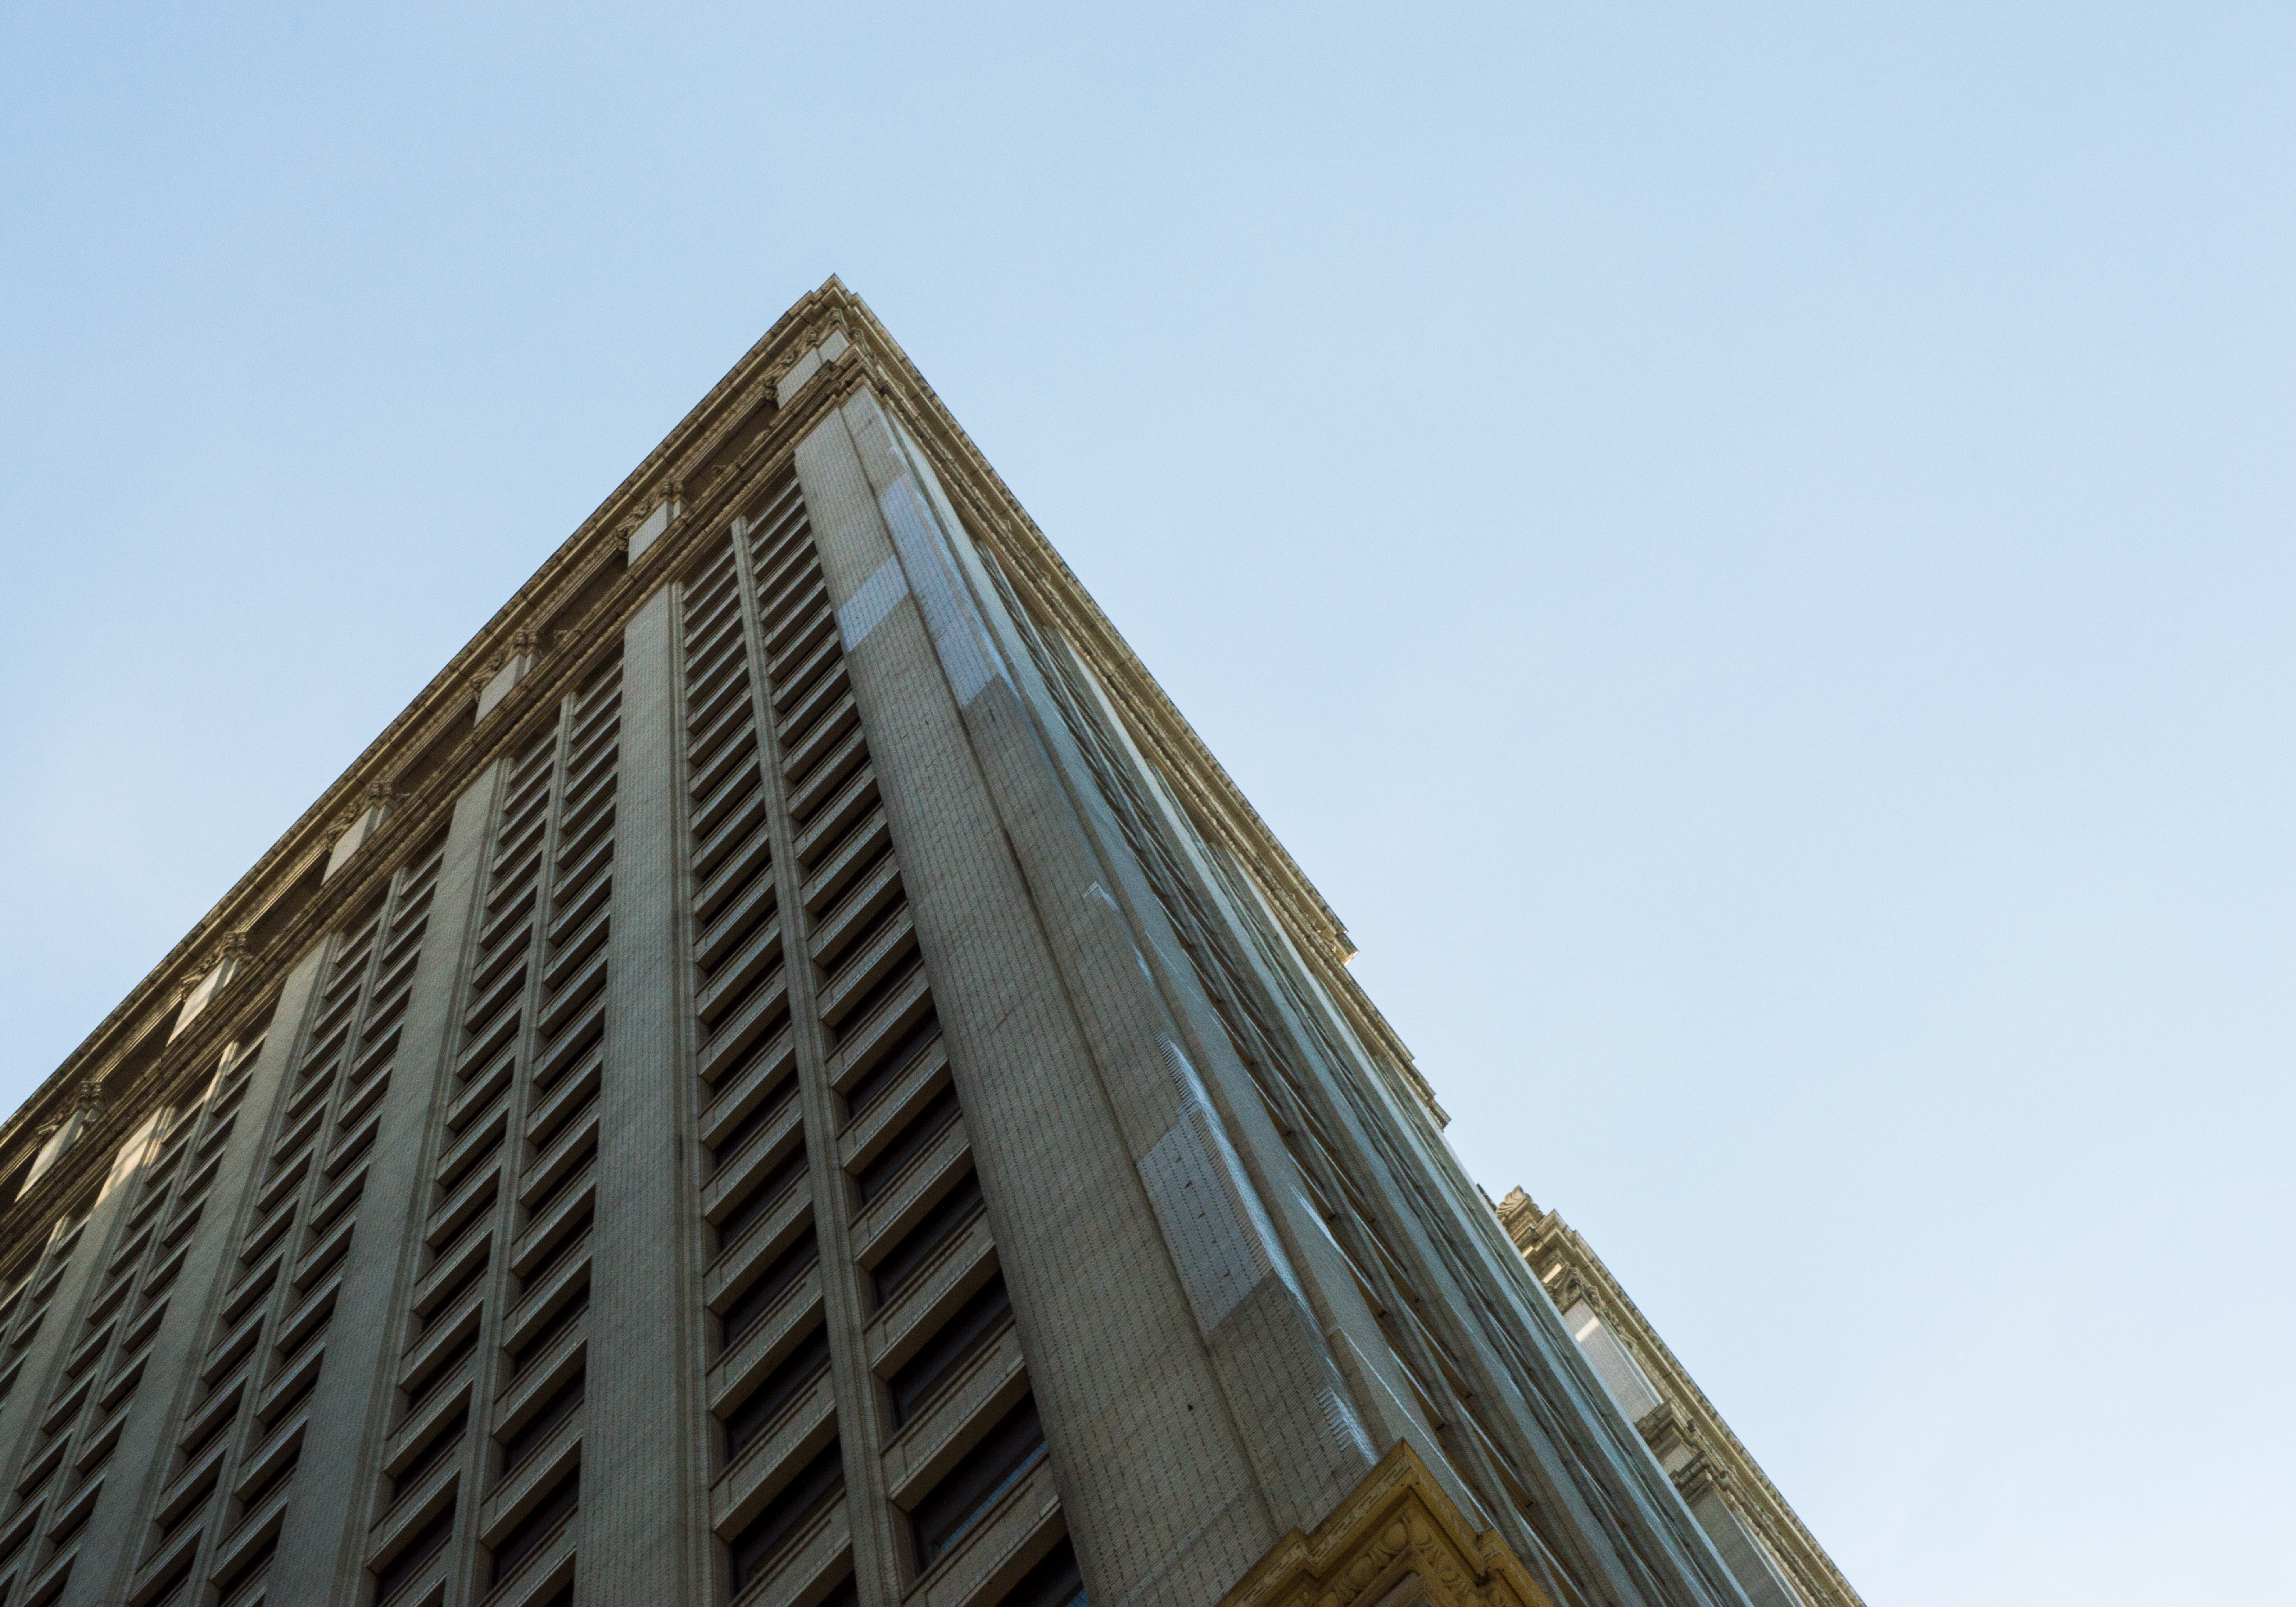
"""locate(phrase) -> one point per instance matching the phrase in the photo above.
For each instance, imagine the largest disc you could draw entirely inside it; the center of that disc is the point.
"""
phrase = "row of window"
(511, 1194)
(493, 1331)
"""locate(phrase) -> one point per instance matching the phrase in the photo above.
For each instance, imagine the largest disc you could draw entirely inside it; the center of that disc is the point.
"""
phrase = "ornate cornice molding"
(1563, 1264)
(691, 466)
(445, 702)
(1396, 1525)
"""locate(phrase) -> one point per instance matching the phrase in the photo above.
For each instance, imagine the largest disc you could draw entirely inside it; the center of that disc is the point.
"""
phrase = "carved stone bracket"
(1396, 1529)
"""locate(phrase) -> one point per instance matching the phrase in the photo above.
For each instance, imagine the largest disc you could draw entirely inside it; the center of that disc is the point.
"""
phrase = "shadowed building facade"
(788, 1076)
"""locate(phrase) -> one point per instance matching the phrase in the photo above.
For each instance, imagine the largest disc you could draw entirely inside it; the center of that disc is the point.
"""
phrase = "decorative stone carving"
(361, 823)
(196, 992)
(1395, 1527)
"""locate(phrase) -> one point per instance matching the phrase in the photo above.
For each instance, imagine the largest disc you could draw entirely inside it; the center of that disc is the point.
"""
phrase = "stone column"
(640, 1484)
(322, 1542)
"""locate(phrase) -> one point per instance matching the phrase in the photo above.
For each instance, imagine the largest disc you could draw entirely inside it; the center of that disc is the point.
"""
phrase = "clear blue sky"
(1749, 555)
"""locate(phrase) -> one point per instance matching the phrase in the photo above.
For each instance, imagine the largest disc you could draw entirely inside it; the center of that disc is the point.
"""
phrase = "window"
(763, 1403)
(529, 1436)
(1054, 1582)
(1005, 1456)
(529, 1532)
(758, 1298)
(929, 1125)
(940, 1224)
(815, 1485)
(957, 1339)
(767, 1192)
(426, 1543)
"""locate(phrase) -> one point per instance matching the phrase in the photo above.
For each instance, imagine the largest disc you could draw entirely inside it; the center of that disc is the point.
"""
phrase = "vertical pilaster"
(322, 1543)
(876, 1567)
(1221, 1223)
(640, 1488)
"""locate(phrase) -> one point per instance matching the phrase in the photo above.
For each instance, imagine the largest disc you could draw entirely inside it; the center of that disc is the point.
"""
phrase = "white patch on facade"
(1628, 1385)
(646, 534)
(219, 974)
(967, 657)
(498, 688)
(1213, 1217)
(867, 607)
(795, 379)
(1220, 1259)
(132, 1155)
(1341, 1423)
(352, 840)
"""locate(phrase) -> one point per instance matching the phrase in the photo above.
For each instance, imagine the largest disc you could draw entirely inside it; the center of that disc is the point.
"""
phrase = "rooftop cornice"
(1545, 1236)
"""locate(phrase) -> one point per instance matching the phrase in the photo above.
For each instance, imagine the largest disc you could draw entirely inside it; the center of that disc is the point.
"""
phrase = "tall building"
(788, 1076)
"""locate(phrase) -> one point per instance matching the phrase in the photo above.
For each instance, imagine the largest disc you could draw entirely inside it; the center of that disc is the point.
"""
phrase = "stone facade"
(788, 1076)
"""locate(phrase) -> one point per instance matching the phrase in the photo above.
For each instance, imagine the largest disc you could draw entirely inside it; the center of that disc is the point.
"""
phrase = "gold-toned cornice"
(1396, 1530)
(431, 718)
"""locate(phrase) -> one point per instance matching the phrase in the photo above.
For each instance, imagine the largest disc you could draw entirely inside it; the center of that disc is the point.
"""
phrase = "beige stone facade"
(787, 1077)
